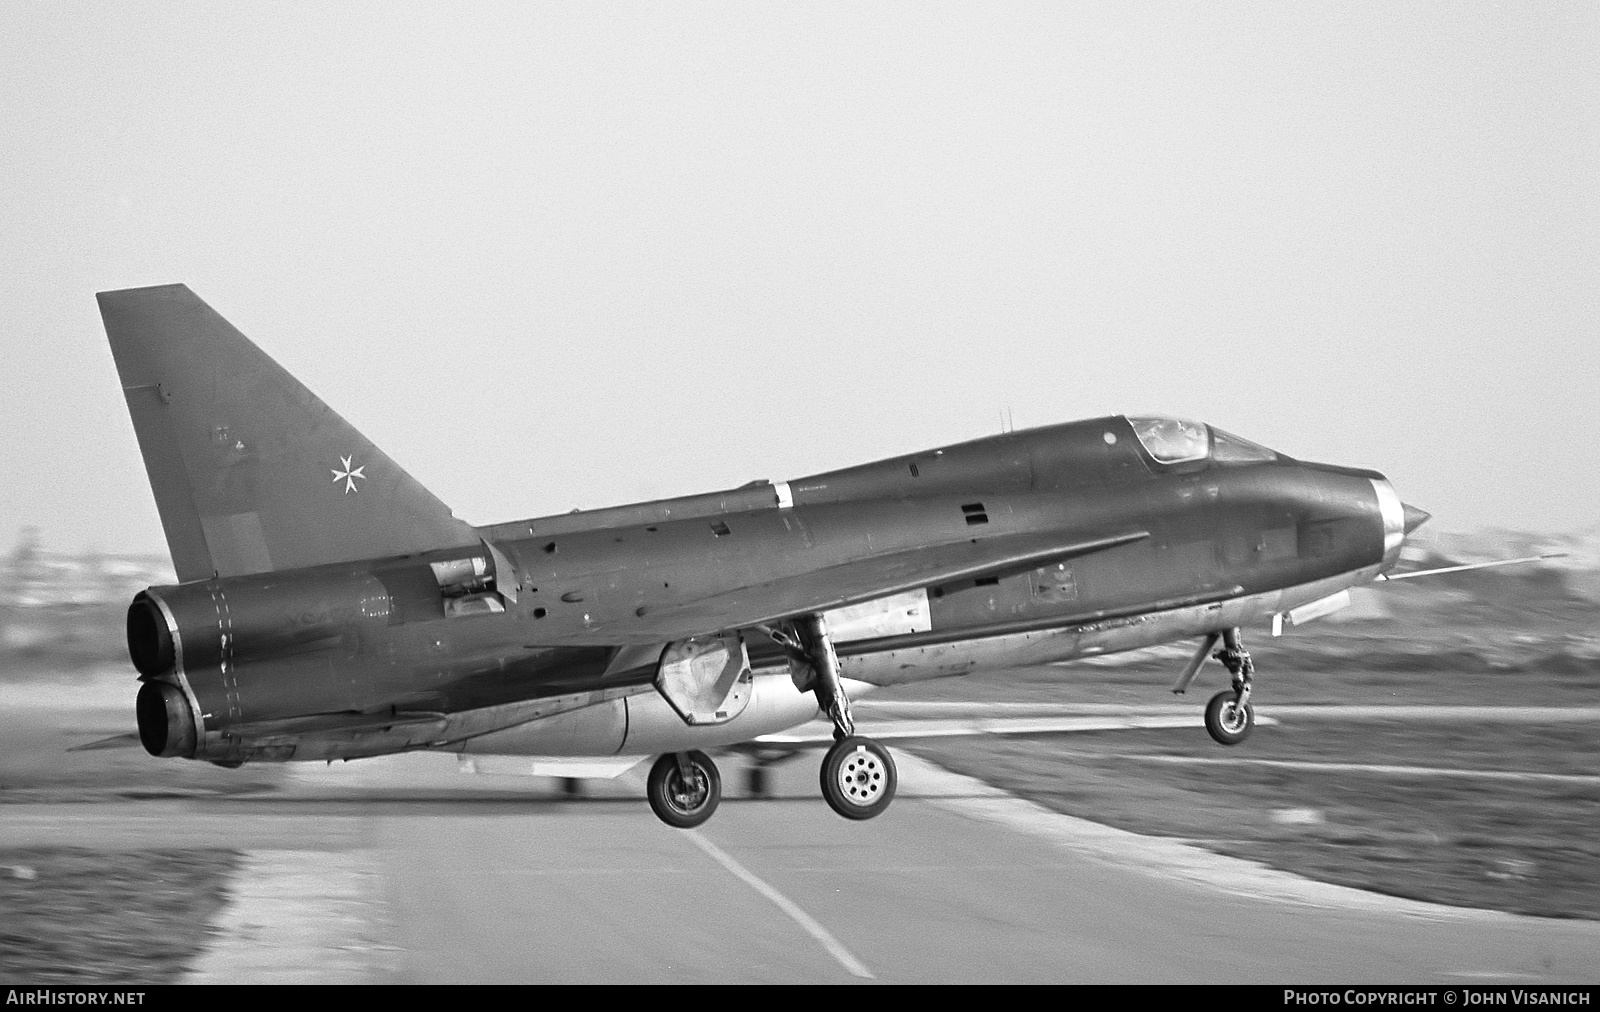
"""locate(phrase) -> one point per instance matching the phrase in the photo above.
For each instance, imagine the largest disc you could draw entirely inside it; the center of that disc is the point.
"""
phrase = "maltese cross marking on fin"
(348, 475)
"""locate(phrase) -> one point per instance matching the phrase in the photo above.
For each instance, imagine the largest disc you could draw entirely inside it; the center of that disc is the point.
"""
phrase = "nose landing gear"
(1229, 715)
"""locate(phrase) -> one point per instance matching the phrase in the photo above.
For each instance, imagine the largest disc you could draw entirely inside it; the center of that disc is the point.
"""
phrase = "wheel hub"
(1232, 717)
(687, 798)
(861, 777)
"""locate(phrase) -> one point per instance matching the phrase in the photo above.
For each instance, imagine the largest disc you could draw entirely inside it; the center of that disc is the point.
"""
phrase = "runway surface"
(403, 869)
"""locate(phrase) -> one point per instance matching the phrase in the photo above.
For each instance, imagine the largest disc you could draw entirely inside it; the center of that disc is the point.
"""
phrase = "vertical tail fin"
(250, 470)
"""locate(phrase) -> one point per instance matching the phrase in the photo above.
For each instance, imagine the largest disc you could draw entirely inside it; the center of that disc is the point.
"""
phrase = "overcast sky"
(558, 255)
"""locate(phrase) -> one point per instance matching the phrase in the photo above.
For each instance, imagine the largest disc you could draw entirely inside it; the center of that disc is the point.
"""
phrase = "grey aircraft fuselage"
(525, 643)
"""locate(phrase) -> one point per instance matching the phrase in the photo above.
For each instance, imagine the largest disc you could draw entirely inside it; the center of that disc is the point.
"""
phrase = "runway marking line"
(823, 936)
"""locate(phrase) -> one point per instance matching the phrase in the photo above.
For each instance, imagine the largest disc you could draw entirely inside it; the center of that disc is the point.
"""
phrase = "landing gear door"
(706, 679)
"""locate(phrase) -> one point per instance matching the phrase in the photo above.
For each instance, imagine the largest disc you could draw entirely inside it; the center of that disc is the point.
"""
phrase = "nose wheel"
(1227, 721)
(858, 778)
(684, 788)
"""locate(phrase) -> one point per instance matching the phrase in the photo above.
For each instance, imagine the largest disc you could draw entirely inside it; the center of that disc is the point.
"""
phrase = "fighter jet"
(330, 607)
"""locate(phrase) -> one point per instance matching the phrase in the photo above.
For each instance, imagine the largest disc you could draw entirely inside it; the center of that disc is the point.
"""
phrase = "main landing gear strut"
(1229, 715)
(858, 775)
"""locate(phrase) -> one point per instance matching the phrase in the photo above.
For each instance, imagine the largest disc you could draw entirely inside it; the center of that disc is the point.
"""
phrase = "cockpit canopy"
(1177, 441)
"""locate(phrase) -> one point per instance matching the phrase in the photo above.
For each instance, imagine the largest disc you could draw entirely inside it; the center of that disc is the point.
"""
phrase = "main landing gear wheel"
(858, 778)
(684, 788)
(1227, 720)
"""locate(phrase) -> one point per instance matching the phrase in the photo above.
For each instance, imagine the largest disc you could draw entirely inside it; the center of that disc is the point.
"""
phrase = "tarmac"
(404, 870)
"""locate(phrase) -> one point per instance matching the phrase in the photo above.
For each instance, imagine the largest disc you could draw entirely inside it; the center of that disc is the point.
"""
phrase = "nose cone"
(1414, 517)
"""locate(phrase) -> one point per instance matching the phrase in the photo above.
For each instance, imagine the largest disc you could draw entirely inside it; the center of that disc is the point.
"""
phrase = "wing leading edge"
(854, 582)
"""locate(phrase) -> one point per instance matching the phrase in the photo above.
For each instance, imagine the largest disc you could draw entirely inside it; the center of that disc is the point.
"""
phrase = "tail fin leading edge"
(251, 471)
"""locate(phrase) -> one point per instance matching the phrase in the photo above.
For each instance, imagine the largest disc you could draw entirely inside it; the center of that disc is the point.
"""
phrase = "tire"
(1224, 722)
(676, 804)
(858, 778)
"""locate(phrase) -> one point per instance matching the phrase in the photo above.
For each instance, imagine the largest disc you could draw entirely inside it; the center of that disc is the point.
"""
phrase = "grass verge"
(1522, 846)
(84, 917)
